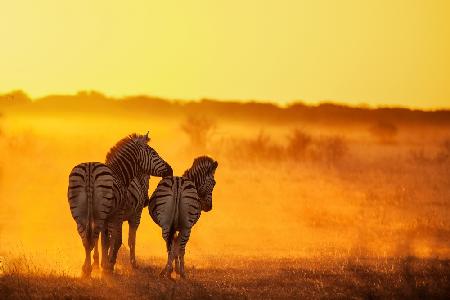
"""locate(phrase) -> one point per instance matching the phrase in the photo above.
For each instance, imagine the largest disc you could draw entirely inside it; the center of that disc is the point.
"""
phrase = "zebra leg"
(132, 243)
(183, 238)
(105, 247)
(95, 265)
(87, 268)
(168, 234)
(116, 242)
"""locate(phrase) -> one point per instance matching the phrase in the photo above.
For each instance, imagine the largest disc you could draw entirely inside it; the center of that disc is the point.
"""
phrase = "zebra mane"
(200, 169)
(132, 138)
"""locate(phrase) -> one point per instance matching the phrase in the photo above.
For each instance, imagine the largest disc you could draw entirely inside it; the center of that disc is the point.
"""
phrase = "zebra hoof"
(134, 264)
(163, 273)
(104, 265)
(108, 268)
(166, 273)
(107, 273)
(86, 271)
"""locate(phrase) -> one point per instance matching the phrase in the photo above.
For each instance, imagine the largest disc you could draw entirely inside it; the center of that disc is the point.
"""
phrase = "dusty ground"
(406, 278)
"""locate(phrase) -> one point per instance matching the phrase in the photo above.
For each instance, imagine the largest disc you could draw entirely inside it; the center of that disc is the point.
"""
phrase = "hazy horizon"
(340, 102)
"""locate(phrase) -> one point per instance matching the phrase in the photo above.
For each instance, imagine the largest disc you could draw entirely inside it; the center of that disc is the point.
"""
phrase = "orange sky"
(385, 52)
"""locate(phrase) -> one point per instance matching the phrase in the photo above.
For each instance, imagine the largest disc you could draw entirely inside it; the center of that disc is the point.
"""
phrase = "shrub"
(331, 149)
(257, 148)
(298, 144)
(384, 132)
(198, 130)
(444, 152)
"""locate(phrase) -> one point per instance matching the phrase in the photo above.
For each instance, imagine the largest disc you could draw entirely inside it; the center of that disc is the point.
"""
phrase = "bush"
(329, 149)
(384, 132)
(198, 130)
(258, 148)
(300, 147)
(298, 144)
(444, 152)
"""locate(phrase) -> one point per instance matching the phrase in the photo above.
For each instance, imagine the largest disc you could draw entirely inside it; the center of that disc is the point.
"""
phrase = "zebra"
(97, 195)
(91, 200)
(137, 195)
(176, 205)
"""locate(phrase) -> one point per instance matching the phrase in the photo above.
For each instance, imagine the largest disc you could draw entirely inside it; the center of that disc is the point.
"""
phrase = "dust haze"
(324, 181)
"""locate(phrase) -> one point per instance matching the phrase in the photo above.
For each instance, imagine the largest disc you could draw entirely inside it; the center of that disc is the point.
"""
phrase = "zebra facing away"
(91, 201)
(176, 205)
(97, 195)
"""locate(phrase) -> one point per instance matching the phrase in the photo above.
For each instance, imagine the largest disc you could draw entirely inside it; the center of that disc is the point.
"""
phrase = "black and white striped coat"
(137, 195)
(91, 198)
(176, 206)
(98, 195)
(137, 199)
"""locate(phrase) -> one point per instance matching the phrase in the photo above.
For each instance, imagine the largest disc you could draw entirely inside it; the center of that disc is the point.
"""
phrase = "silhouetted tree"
(198, 130)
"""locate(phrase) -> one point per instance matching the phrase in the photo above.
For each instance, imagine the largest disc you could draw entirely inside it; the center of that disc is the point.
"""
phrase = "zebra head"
(202, 174)
(152, 164)
(205, 193)
(132, 156)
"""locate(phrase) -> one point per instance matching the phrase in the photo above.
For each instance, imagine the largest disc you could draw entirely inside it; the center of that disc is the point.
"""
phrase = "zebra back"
(178, 201)
(90, 196)
(173, 198)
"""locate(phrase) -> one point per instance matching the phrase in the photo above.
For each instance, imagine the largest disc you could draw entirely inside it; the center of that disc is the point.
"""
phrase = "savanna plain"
(314, 202)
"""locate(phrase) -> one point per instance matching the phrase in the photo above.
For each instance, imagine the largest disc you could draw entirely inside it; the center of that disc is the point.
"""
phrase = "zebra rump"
(90, 195)
(176, 205)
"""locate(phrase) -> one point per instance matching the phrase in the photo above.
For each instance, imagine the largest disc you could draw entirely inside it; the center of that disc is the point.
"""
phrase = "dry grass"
(234, 278)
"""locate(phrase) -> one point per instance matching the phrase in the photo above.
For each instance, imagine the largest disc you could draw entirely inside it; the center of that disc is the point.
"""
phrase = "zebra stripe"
(129, 158)
(137, 199)
(137, 195)
(90, 196)
(176, 206)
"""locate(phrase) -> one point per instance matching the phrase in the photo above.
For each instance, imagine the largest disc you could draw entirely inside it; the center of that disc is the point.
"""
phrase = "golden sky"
(380, 52)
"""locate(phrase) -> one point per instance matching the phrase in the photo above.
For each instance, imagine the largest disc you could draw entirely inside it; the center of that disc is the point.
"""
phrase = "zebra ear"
(147, 138)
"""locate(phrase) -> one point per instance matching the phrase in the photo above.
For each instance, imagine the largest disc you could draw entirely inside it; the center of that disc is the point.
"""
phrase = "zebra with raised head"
(97, 194)
(176, 205)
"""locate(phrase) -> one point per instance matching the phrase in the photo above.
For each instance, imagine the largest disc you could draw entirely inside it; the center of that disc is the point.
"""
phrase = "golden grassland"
(309, 202)
(233, 278)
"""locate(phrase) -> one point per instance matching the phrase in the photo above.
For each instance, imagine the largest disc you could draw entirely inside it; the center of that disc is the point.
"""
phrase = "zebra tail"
(90, 212)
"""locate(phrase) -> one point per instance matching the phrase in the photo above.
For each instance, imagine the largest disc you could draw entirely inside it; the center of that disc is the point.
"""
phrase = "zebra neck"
(123, 171)
(197, 180)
